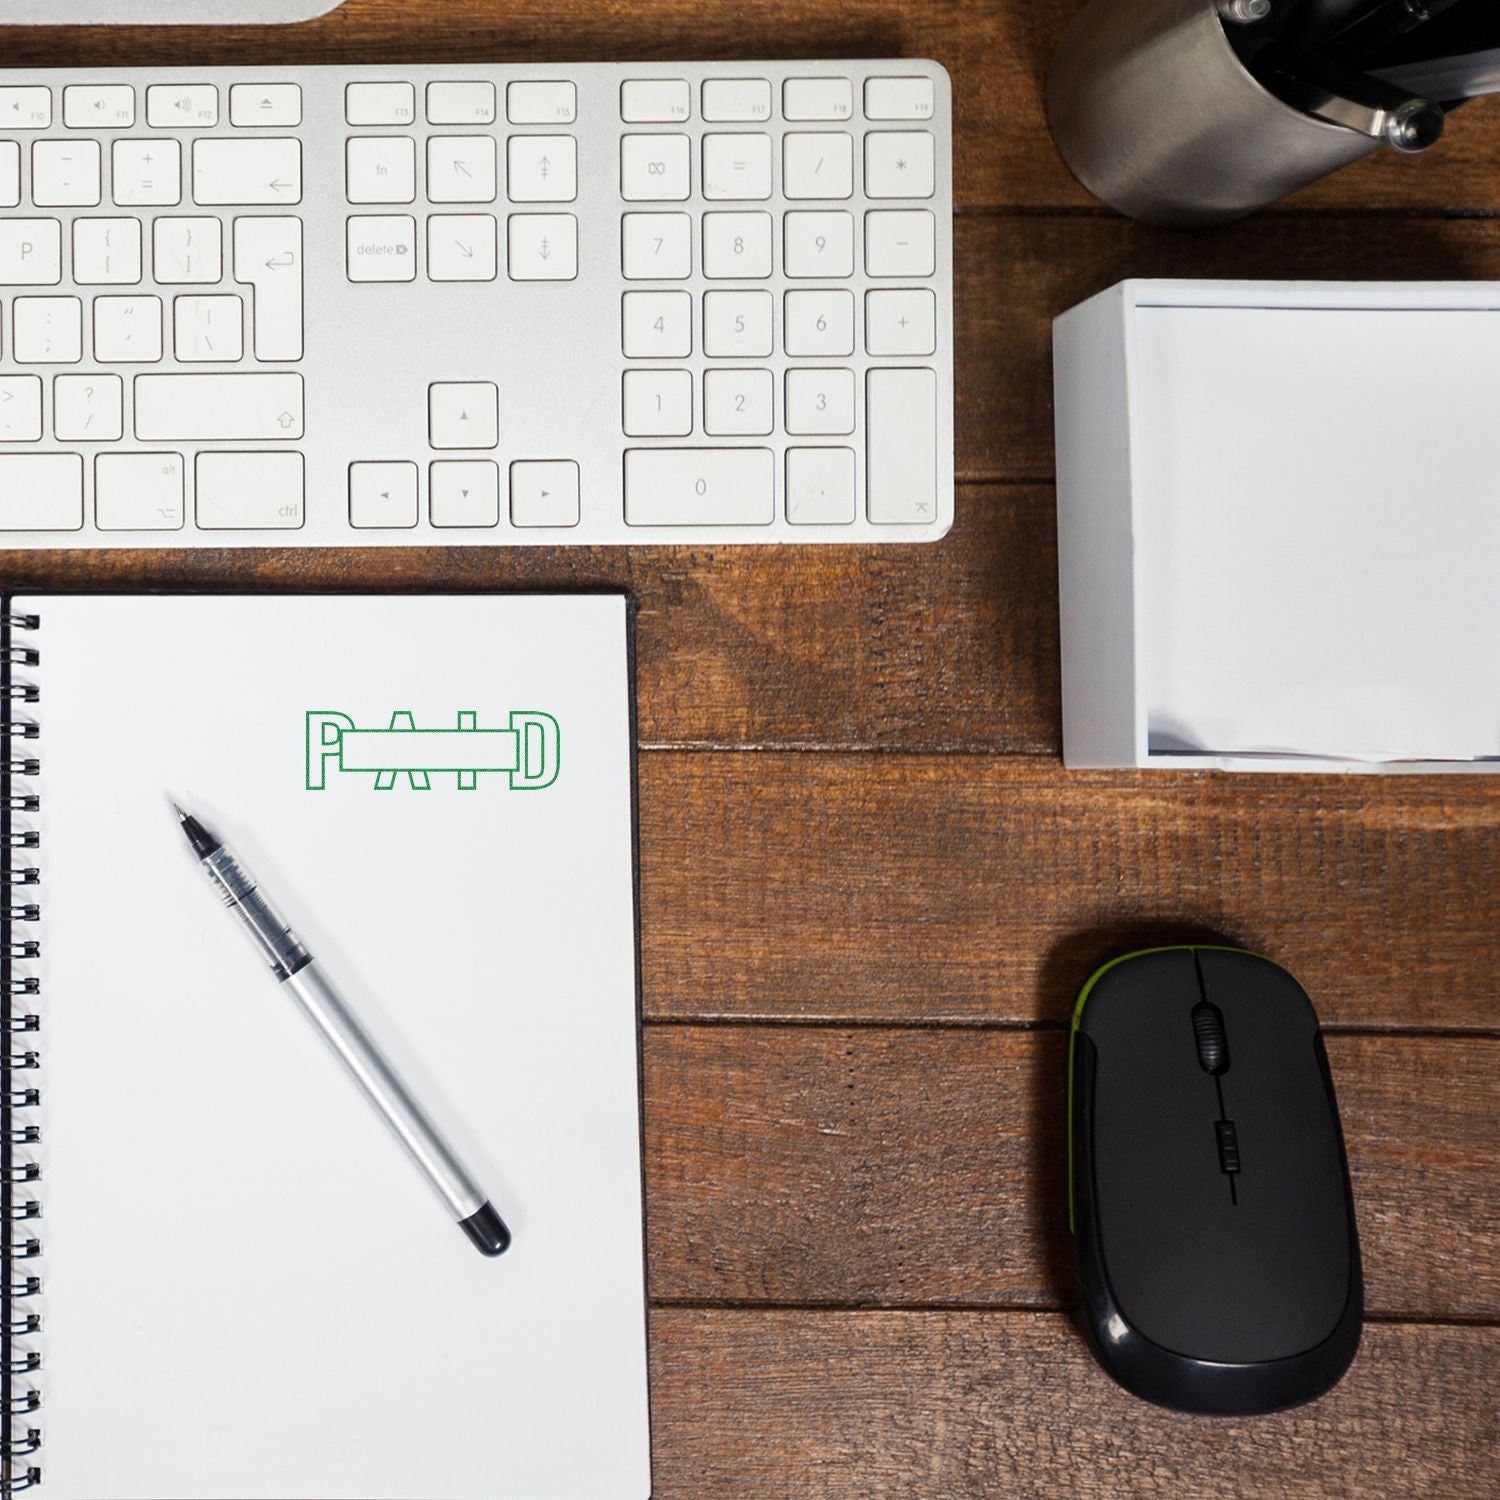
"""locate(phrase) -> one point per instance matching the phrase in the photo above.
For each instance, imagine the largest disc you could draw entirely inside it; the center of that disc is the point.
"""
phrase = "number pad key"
(820, 324)
(903, 322)
(819, 244)
(657, 325)
(819, 402)
(820, 486)
(658, 403)
(899, 164)
(655, 168)
(736, 166)
(737, 325)
(900, 242)
(818, 165)
(737, 247)
(700, 487)
(656, 247)
(737, 403)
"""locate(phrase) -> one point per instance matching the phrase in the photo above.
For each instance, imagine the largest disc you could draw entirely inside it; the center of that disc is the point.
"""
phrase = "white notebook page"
(249, 1291)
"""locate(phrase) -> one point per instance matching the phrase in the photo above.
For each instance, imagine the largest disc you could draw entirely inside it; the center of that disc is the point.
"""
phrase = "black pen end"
(203, 842)
(487, 1230)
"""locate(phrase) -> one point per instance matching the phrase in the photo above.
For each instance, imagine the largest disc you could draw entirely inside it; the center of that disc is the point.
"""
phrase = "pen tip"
(181, 816)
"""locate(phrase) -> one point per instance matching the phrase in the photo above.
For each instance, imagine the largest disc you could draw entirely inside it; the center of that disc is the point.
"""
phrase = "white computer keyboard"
(602, 303)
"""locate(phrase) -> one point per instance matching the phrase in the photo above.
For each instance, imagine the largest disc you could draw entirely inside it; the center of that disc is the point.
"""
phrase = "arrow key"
(463, 414)
(461, 247)
(464, 492)
(544, 493)
(383, 495)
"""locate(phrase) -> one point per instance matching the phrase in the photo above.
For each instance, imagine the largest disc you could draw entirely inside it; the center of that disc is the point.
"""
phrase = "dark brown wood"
(962, 889)
(997, 51)
(972, 1406)
(890, 1167)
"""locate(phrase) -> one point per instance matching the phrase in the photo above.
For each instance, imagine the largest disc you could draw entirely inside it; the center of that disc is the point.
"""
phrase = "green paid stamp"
(526, 752)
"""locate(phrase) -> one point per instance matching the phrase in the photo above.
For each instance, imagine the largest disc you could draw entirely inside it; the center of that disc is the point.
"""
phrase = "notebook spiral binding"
(20, 1395)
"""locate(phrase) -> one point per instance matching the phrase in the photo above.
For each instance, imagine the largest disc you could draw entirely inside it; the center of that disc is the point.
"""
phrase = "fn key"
(901, 420)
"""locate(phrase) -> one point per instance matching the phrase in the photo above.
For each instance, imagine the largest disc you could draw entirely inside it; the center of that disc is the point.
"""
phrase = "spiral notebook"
(223, 1280)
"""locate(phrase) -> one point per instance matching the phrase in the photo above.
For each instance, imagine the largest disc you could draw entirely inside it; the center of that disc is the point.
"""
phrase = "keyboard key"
(655, 168)
(818, 164)
(646, 101)
(41, 492)
(543, 492)
(265, 104)
(268, 257)
(460, 104)
(819, 402)
(382, 247)
(47, 330)
(380, 169)
(464, 492)
(30, 252)
(249, 491)
(658, 403)
(65, 174)
(820, 323)
(127, 330)
(139, 491)
(10, 174)
(185, 251)
(108, 107)
(901, 445)
(819, 243)
(462, 247)
(463, 414)
(542, 247)
(182, 106)
(26, 108)
(700, 487)
(657, 325)
(736, 166)
(461, 169)
(380, 104)
(217, 408)
(820, 487)
(383, 496)
(899, 164)
(262, 169)
(738, 403)
(147, 174)
(817, 99)
(538, 103)
(903, 322)
(736, 99)
(20, 408)
(737, 325)
(106, 252)
(541, 169)
(737, 247)
(656, 247)
(208, 330)
(900, 242)
(899, 99)
(88, 408)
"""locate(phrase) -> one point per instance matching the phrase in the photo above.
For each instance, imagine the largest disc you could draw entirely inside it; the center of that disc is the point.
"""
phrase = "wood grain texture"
(877, 1167)
(951, 888)
(996, 50)
(962, 1405)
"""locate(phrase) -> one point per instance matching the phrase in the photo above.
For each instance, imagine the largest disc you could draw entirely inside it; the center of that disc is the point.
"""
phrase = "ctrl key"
(249, 491)
(41, 492)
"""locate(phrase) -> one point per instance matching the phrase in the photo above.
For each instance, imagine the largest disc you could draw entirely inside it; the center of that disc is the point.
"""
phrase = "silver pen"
(296, 971)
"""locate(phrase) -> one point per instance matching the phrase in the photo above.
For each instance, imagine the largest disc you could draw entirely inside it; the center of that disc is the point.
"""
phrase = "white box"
(1279, 526)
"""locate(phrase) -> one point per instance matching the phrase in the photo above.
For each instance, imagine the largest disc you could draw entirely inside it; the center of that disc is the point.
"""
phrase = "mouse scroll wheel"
(1213, 1046)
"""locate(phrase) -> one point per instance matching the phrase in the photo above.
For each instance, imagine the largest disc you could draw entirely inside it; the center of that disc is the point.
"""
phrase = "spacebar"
(209, 407)
(700, 487)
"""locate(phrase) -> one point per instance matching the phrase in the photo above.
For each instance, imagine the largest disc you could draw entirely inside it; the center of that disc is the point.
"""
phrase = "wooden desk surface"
(870, 892)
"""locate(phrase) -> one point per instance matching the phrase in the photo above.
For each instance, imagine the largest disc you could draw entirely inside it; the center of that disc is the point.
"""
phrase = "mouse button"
(1133, 1003)
(1252, 992)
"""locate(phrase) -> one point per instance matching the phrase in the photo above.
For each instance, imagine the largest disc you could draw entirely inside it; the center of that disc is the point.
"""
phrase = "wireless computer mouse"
(1209, 1192)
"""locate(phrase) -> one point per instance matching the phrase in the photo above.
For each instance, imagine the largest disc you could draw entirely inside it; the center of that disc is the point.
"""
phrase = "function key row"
(461, 103)
(169, 106)
(661, 101)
